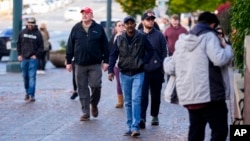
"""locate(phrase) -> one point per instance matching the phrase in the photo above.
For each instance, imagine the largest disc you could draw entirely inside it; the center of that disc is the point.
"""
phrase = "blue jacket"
(159, 43)
(87, 48)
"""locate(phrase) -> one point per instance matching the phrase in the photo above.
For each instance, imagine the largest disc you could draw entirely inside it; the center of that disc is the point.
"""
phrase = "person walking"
(46, 44)
(134, 51)
(29, 49)
(74, 92)
(153, 78)
(172, 33)
(200, 81)
(119, 28)
(88, 44)
(156, 26)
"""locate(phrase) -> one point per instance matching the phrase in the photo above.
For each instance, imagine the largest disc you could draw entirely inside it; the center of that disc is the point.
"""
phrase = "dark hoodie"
(30, 42)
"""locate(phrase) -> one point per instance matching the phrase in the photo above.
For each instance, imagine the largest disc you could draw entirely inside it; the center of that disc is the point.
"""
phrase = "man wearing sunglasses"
(154, 75)
(29, 48)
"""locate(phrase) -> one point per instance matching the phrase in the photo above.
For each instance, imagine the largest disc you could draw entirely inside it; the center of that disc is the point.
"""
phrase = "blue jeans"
(132, 90)
(29, 68)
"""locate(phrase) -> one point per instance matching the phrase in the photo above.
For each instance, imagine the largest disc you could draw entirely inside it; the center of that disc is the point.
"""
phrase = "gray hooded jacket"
(191, 64)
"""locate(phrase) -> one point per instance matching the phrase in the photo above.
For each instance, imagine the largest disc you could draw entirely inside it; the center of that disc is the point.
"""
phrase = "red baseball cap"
(87, 10)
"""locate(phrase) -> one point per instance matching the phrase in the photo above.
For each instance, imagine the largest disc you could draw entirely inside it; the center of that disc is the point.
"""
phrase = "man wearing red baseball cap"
(87, 10)
(88, 45)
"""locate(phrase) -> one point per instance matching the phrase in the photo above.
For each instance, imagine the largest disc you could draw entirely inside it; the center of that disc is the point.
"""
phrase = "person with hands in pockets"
(133, 51)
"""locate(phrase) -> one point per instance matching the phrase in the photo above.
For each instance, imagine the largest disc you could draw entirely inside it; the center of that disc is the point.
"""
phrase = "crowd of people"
(139, 59)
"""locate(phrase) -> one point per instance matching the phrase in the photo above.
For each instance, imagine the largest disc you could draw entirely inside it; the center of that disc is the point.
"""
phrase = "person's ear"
(212, 25)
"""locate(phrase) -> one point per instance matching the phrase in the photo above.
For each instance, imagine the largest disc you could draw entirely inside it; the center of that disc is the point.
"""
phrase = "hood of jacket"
(192, 40)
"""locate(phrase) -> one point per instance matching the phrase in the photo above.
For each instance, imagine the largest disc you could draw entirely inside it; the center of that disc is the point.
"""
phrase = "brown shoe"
(84, 117)
(32, 99)
(26, 98)
(135, 134)
(94, 111)
(120, 101)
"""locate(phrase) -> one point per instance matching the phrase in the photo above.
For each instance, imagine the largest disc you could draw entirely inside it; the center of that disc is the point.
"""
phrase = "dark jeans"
(153, 82)
(215, 114)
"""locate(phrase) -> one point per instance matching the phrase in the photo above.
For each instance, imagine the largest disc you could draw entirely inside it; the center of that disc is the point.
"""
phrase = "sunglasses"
(31, 23)
(150, 19)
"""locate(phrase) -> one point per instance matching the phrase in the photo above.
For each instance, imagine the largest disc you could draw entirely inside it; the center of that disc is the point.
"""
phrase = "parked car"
(103, 23)
(5, 39)
(73, 13)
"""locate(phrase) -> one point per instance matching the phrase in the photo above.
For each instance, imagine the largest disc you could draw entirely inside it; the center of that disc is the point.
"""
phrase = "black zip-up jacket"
(30, 42)
(87, 48)
(133, 53)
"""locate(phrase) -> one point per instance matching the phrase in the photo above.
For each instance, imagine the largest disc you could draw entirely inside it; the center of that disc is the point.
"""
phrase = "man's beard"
(148, 27)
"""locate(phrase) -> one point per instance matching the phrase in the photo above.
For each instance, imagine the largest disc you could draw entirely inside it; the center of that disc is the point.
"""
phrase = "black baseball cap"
(147, 15)
(128, 18)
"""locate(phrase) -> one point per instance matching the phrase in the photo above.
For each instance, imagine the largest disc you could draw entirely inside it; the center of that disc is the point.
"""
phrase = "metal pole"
(13, 65)
(108, 25)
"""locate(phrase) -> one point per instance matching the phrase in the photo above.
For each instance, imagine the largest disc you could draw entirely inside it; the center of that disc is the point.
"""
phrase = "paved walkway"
(54, 117)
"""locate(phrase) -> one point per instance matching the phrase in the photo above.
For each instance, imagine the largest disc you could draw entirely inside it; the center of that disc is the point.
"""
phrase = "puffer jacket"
(196, 63)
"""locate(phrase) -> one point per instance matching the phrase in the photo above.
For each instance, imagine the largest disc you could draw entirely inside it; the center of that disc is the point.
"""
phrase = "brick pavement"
(54, 117)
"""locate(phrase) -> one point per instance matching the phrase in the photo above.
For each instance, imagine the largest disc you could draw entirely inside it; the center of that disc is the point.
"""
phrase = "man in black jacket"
(29, 49)
(88, 45)
(134, 51)
(154, 75)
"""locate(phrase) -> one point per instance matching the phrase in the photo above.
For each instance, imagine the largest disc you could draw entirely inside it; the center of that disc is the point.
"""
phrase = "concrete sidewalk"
(54, 117)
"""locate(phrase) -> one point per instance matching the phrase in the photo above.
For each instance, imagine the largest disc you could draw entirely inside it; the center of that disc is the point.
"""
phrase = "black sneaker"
(155, 121)
(142, 124)
(128, 133)
(74, 95)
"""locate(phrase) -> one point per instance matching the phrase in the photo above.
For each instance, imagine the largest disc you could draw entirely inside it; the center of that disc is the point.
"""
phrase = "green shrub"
(63, 44)
(240, 24)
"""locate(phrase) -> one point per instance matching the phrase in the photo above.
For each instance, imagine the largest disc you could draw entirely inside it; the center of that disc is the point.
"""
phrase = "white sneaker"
(42, 72)
(38, 72)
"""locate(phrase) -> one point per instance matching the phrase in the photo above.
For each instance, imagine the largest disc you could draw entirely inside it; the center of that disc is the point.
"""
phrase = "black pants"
(215, 114)
(153, 82)
(73, 77)
(42, 61)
